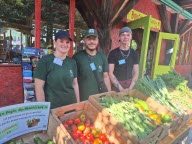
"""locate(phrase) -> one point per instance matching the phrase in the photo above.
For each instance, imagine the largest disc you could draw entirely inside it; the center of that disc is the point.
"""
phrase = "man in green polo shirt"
(92, 67)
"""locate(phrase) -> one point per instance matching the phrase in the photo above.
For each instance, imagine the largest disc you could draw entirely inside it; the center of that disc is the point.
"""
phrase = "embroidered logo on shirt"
(100, 69)
(71, 73)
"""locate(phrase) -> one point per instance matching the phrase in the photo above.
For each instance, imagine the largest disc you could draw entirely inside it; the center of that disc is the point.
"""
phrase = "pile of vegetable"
(181, 99)
(83, 131)
(144, 107)
(175, 81)
(157, 90)
(129, 116)
(36, 139)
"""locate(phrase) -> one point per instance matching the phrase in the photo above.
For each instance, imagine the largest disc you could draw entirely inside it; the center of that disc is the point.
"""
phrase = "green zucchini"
(49, 142)
(38, 140)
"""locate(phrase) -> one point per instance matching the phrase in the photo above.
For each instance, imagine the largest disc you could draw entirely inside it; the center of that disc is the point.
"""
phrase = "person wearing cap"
(92, 67)
(56, 75)
(123, 63)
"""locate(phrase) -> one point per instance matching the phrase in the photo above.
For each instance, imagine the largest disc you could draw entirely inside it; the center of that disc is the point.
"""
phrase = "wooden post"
(37, 23)
(71, 24)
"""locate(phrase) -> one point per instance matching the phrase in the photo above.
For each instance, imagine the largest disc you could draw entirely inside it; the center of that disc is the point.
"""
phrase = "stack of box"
(30, 57)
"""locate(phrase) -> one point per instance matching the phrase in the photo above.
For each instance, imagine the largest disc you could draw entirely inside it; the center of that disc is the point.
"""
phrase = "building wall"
(11, 91)
(184, 70)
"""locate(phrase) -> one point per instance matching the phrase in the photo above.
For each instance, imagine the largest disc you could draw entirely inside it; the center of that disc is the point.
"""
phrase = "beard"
(90, 49)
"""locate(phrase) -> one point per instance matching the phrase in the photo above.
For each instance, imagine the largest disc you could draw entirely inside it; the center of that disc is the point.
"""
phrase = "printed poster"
(16, 120)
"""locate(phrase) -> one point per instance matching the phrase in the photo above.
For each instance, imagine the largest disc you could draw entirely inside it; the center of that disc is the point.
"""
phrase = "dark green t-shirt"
(58, 80)
(86, 79)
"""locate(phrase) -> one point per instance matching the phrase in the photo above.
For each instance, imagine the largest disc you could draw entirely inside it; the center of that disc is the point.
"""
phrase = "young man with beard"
(92, 67)
(56, 75)
(123, 63)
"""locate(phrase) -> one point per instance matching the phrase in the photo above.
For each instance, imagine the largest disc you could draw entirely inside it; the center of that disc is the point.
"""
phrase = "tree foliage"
(17, 11)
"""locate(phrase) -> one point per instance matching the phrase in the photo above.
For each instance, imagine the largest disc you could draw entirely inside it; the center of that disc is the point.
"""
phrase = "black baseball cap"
(62, 34)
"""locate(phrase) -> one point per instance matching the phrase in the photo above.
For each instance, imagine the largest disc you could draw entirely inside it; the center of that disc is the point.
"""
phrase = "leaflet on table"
(16, 120)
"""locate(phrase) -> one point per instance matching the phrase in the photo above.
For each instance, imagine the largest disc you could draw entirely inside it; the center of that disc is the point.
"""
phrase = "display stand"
(30, 57)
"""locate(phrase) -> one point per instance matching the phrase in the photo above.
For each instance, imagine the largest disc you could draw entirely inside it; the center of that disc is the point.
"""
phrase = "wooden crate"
(179, 136)
(99, 120)
(185, 118)
(157, 107)
(94, 99)
(54, 132)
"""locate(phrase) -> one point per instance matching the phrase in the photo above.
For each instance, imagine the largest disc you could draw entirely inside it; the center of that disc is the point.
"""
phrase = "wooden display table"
(179, 135)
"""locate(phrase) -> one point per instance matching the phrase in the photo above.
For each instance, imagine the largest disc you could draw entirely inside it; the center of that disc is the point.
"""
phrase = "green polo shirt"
(86, 79)
(58, 79)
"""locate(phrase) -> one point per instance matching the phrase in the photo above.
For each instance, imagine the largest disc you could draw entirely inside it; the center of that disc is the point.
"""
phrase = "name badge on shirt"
(93, 67)
(58, 61)
(122, 61)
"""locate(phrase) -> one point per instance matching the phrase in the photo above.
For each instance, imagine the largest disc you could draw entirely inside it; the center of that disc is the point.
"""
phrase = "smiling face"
(62, 45)
(91, 43)
(125, 38)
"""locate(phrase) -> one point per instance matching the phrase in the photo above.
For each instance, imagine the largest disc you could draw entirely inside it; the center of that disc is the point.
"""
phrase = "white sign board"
(16, 120)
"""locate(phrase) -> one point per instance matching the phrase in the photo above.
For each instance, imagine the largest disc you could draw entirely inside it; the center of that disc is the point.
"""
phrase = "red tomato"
(69, 121)
(74, 135)
(77, 121)
(82, 138)
(102, 137)
(89, 136)
(66, 126)
(87, 122)
(87, 142)
(73, 127)
(91, 127)
(106, 141)
(79, 132)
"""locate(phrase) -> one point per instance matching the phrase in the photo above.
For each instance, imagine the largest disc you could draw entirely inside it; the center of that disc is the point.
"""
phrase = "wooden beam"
(118, 8)
(164, 18)
(188, 28)
(184, 3)
(184, 25)
(174, 22)
(125, 11)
